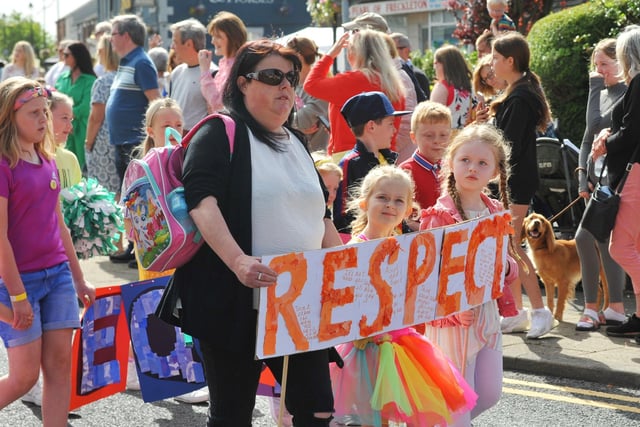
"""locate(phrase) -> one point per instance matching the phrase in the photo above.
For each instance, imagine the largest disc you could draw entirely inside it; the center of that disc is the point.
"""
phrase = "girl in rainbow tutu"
(397, 376)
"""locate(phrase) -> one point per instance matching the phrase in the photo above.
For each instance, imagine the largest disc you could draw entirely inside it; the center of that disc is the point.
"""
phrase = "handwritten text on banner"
(327, 297)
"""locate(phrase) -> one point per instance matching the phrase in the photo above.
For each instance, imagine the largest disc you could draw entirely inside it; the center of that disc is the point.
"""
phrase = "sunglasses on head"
(273, 76)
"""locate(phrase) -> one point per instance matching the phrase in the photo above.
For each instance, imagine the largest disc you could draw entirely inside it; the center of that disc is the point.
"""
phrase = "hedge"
(561, 45)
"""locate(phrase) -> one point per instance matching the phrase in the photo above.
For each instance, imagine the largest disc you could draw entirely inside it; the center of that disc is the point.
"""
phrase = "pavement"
(564, 352)
(567, 353)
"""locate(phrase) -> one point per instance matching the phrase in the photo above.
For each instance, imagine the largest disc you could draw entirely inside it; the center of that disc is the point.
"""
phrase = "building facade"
(427, 23)
(263, 18)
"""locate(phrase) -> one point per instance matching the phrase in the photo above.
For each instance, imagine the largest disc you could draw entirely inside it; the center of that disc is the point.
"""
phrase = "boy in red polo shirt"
(430, 132)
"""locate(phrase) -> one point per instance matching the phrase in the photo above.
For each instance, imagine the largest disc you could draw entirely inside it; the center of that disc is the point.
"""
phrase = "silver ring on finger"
(259, 276)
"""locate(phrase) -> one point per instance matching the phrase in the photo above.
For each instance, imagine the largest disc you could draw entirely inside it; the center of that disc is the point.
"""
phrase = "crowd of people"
(318, 160)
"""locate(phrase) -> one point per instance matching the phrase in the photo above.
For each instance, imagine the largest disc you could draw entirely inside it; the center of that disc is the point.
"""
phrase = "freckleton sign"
(397, 7)
(331, 296)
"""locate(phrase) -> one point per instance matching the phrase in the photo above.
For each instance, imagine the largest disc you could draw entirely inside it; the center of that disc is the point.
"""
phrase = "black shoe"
(133, 264)
(124, 256)
(638, 340)
(629, 328)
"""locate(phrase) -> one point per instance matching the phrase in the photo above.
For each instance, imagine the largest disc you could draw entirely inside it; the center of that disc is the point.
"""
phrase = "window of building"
(439, 30)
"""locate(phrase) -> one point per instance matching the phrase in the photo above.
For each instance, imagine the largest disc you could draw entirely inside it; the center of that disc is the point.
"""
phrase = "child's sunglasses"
(273, 77)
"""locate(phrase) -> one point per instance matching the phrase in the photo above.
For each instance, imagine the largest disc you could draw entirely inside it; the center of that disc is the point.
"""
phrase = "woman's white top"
(287, 203)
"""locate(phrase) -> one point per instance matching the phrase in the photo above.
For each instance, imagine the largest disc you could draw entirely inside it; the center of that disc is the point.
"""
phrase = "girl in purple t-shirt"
(38, 264)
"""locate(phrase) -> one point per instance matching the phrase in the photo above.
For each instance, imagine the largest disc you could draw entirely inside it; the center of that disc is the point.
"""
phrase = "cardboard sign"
(331, 296)
(168, 362)
(100, 350)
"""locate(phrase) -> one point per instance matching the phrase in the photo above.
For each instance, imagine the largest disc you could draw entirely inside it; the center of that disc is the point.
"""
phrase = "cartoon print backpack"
(155, 208)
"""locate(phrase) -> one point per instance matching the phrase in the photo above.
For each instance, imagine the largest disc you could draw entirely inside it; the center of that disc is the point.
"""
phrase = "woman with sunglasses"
(77, 83)
(263, 197)
(372, 69)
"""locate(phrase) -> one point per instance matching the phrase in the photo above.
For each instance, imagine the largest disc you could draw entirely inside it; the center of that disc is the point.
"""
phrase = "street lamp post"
(4, 33)
(44, 25)
(31, 24)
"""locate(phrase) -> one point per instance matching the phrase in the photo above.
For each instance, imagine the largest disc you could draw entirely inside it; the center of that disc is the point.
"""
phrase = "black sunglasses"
(273, 76)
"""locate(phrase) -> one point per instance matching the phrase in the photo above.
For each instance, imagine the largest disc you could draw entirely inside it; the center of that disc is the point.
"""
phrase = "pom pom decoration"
(94, 219)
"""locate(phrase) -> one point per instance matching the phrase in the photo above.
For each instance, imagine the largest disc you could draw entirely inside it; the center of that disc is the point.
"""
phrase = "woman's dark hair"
(247, 58)
(306, 48)
(514, 45)
(82, 57)
(455, 68)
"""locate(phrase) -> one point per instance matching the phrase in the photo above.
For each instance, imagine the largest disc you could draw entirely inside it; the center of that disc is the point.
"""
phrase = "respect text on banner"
(331, 296)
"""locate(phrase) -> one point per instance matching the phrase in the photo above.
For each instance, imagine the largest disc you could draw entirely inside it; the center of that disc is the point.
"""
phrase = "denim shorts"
(54, 302)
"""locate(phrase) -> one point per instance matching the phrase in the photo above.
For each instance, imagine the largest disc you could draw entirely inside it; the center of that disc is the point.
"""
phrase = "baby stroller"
(557, 161)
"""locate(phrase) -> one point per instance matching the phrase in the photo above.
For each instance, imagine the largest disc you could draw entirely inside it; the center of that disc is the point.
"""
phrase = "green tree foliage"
(424, 61)
(561, 46)
(16, 27)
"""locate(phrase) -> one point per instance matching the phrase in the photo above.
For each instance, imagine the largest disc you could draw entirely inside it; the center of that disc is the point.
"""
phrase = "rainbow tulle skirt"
(399, 376)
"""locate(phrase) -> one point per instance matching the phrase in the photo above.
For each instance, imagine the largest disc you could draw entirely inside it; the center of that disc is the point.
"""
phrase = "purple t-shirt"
(33, 192)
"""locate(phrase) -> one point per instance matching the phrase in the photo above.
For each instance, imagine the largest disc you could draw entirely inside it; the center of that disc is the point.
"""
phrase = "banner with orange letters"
(331, 296)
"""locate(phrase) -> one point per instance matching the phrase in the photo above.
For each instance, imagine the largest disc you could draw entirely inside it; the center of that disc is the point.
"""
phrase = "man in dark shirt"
(419, 78)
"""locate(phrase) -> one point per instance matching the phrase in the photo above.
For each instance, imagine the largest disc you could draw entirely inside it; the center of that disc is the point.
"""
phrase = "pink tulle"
(353, 384)
(400, 377)
(507, 303)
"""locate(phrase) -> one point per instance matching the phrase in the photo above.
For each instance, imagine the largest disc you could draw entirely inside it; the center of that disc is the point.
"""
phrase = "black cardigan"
(625, 133)
(217, 307)
(517, 117)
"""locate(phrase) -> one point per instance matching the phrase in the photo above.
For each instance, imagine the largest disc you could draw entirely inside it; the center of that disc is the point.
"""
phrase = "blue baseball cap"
(361, 108)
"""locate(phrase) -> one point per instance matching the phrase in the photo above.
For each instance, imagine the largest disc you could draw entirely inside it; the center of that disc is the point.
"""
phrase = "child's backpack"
(155, 208)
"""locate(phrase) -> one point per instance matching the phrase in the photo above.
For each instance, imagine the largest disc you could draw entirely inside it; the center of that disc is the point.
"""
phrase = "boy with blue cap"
(371, 118)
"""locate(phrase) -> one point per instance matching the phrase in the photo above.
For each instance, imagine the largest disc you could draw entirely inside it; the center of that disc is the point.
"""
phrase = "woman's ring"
(259, 276)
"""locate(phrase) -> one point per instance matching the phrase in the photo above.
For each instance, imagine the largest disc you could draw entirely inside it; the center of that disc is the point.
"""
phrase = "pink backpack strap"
(229, 125)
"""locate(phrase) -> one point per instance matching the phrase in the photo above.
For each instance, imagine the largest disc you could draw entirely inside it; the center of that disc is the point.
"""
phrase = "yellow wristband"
(19, 297)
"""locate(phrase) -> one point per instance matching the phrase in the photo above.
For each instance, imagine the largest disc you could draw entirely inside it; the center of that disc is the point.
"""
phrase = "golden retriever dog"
(556, 262)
